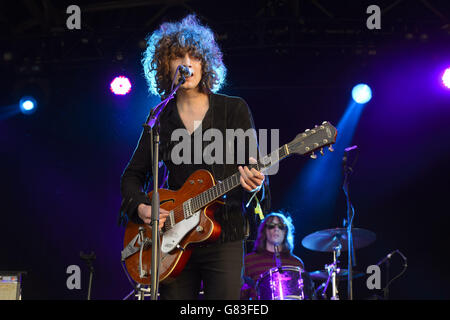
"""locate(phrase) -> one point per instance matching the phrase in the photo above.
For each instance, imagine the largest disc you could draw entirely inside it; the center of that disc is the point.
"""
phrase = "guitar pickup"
(172, 218)
(187, 209)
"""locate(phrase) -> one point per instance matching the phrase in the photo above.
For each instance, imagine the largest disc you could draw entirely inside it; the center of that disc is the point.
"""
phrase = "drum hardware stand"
(324, 295)
(333, 270)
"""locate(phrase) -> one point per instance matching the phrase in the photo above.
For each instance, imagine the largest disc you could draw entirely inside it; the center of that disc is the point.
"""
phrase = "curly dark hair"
(174, 39)
(288, 241)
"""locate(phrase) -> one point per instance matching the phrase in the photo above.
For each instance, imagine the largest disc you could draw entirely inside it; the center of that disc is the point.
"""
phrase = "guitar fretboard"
(233, 181)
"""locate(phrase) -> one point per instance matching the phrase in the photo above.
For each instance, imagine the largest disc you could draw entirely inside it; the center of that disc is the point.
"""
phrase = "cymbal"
(343, 273)
(327, 240)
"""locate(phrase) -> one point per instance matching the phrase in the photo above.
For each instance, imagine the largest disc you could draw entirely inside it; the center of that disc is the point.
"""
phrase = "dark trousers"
(218, 266)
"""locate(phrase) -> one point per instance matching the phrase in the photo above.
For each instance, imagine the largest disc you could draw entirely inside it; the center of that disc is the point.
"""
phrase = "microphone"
(386, 258)
(403, 257)
(276, 249)
(351, 148)
(347, 150)
(184, 70)
(277, 257)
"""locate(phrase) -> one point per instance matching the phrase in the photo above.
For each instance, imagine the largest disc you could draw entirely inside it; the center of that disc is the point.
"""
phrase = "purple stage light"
(446, 78)
(120, 85)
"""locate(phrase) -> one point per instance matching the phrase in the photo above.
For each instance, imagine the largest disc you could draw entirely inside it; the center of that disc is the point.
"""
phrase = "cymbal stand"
(333, 270)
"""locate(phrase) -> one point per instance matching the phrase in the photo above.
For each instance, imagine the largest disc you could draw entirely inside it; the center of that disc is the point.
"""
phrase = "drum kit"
(293, 283)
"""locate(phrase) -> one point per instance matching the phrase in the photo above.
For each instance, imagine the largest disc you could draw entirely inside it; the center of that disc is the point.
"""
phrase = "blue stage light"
(27, 105)
(361, 93)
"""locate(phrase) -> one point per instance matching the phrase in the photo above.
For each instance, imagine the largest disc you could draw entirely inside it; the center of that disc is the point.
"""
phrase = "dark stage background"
(294, 62)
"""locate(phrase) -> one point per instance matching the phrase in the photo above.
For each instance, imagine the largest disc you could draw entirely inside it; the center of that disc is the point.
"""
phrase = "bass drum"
(285, 283)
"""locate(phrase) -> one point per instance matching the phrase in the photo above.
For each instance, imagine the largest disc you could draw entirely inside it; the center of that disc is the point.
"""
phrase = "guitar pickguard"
(172, 238)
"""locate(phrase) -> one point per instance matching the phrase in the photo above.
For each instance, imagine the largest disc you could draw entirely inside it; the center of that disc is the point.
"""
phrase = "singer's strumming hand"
(145, 213)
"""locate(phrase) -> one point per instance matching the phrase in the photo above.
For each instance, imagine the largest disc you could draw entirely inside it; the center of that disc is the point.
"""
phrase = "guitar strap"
(219, 105)
(219, 121)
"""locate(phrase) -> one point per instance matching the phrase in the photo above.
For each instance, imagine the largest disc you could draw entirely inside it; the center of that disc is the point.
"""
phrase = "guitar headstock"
(314, 139)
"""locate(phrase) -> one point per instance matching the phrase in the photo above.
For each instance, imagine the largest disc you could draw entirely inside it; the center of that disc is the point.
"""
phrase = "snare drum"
(285, 283)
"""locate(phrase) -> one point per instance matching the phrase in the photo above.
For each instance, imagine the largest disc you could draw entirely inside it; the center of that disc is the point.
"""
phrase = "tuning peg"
(321, 151)
(331, 148)
(313, 156)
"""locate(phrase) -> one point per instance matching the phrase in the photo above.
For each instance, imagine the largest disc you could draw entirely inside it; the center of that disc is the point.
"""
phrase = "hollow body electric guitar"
(191, 211)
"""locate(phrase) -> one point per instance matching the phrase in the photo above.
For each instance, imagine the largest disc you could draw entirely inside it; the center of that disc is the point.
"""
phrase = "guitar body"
(173, 262)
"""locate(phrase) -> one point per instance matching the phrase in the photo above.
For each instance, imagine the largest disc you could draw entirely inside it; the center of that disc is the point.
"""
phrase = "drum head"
(284, 283)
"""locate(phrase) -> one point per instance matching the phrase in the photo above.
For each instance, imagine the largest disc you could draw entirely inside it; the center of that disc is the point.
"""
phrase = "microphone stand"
(88, 258)
(386, 261)
(152, 124)
(347, 172)
(386, 289)
(277, 258)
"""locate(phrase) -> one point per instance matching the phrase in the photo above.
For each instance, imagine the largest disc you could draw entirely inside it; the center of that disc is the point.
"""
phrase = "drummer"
(276, 231)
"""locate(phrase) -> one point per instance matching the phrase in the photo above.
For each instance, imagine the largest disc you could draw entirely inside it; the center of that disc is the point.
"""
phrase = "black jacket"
(224, 112)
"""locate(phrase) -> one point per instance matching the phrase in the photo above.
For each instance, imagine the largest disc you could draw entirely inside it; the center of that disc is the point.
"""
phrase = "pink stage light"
(120, 85)
(446, 78)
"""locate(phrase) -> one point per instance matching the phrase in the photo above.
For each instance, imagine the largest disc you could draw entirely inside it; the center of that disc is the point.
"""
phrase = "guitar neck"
(233, 181)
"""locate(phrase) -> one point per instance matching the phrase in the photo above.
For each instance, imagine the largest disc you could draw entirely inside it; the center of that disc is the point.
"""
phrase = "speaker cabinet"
(10, 286)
